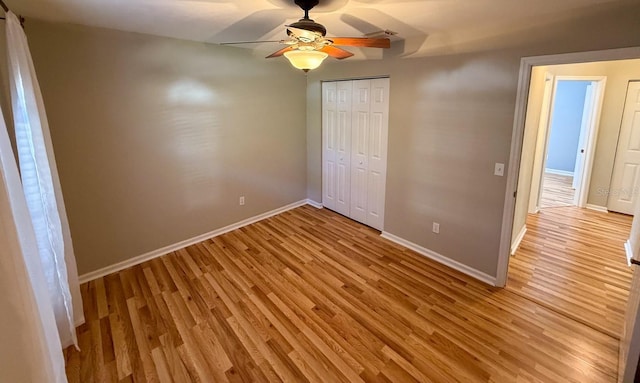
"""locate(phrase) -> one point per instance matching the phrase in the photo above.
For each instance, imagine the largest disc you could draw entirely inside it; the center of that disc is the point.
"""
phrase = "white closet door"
(329, 143)
(377, 153)
(343, 148)
(360, 128)
(355, 129)
(336, 129)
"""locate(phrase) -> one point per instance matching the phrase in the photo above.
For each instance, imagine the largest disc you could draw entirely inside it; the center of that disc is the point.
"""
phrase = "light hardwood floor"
(557, 190)
(309, 295)
(573, 260)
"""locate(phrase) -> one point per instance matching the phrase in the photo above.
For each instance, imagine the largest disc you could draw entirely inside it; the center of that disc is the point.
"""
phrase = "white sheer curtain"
(41, 185)
(30, 348)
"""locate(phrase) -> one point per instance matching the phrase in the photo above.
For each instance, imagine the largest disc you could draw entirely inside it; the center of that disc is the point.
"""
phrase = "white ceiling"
(424, 27)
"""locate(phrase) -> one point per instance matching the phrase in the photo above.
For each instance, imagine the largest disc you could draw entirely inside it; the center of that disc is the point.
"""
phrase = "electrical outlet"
(436, 227)
(241, 200)
(499, 169)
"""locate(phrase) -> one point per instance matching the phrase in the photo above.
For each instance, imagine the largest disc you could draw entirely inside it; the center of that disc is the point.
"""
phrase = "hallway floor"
(557, 190)
(573, 261)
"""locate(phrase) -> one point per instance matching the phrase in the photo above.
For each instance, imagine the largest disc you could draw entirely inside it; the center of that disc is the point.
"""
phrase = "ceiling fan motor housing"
(309, 25)
(306, 23)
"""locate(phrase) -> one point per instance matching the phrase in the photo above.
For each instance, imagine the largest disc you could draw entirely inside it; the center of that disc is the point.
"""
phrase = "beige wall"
(618, 74)
(157, 138)
(451, 119)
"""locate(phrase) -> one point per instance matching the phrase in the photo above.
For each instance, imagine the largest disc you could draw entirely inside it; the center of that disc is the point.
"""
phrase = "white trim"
(79, 321)
(187, 242)
(628, 252)
(516, 243)
(558, 172)
(315, 204)
(441, 259)
(508, 212)
(602, 209)
(524, 78)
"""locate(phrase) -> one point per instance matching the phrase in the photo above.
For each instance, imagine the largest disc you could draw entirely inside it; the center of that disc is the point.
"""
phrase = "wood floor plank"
(310, 296)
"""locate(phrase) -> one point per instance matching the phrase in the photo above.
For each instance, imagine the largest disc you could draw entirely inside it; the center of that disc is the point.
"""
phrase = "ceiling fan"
(308, 46)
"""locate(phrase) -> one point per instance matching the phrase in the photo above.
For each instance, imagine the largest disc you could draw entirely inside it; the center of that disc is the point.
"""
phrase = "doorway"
(564, 261)
(583, 241)
(569, 140)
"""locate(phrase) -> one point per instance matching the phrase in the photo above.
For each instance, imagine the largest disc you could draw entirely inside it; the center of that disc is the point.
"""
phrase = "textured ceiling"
(424, 27)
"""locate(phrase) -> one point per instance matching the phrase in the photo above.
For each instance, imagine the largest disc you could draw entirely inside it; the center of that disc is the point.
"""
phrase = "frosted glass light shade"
(305, 59)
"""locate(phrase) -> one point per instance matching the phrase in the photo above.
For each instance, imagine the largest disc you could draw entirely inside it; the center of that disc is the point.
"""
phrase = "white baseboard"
(602, 209)
(187, 242)
(315, 204)
(441, 259)
(559, 172)
(629, 252)
(516, 243)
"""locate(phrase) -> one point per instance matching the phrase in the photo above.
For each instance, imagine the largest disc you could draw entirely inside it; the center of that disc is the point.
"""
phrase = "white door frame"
(597, 99)
(526, 65)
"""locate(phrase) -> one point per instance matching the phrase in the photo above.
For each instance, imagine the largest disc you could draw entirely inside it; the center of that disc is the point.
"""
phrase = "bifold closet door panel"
(329, 152)
(377, 153)
(343, 147)
(337, 146)
(360, 127)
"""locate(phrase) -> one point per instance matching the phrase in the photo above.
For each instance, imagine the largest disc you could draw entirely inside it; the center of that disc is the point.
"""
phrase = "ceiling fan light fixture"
(305, 59)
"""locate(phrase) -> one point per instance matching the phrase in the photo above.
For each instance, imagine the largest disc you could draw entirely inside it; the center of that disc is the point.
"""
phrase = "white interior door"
(360, 130)
(336, 146)
(369, 134)
(377, 156)
(329, 143)
(584, 126)
(355, 132)
(343, 147)
(541, 143)
(626, 171)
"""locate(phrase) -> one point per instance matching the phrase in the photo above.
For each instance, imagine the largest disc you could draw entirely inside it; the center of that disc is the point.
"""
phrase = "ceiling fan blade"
(280, 52)
(361, 42)
(253, 26)
(336, 52)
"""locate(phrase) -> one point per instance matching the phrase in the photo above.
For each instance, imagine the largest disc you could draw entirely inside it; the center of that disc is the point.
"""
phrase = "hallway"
(573, 261)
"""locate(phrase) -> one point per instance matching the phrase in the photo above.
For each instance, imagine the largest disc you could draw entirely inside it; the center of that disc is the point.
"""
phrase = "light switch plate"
(499, 170)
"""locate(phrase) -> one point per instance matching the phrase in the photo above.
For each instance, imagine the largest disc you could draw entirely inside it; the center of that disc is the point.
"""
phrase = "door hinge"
(515, 193)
